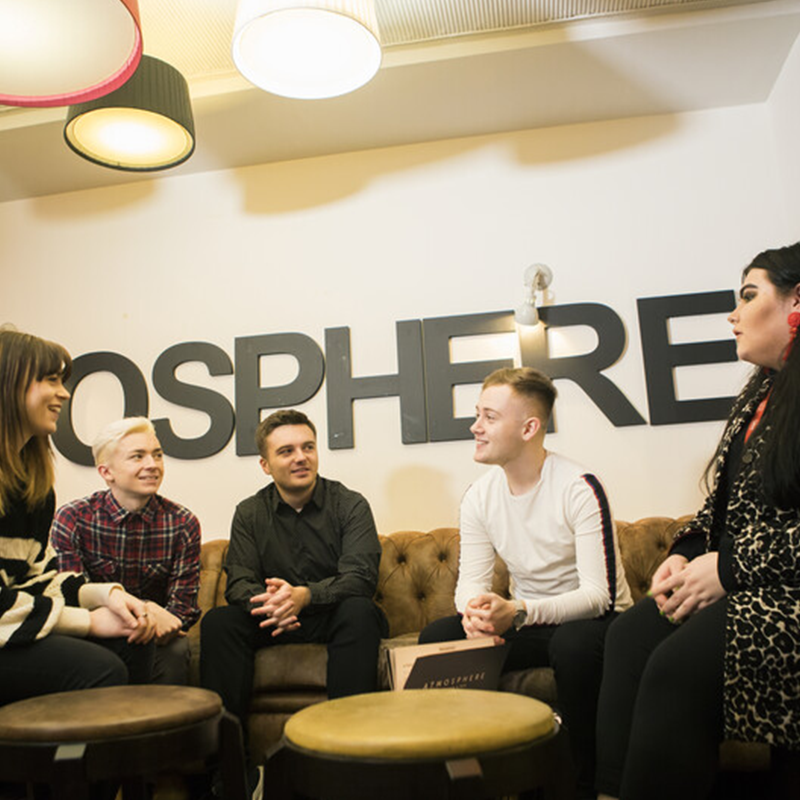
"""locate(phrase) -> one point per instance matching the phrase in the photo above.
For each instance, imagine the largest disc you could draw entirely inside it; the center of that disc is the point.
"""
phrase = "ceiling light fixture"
(145, 125)
(537, 278)
(307, 49)
(53, 53)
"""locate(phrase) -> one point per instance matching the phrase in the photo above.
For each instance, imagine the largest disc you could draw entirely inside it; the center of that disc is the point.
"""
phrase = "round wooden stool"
(122, 734)
(429, 743)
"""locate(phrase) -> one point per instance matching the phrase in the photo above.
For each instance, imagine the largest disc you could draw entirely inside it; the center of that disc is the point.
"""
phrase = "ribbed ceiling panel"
(405, 22)
(192, 35)
(195, 35)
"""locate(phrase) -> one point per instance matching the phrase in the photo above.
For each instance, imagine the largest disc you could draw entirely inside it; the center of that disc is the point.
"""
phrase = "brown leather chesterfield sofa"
(416, 585)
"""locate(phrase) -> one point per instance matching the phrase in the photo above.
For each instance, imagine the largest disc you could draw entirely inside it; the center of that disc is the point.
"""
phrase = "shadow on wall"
(297, 185)
(553, 95)
(57, 169)
(419, 498)
(455, 109)
(97, 204)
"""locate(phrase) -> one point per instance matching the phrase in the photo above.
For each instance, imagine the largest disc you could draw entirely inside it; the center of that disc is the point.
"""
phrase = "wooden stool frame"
(541, 764)
(70, 767)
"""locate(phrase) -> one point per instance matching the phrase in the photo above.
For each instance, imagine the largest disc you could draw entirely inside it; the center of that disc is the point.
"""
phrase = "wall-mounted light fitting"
(57, 52)
(145, 125)
(537, 278)
(306, 49)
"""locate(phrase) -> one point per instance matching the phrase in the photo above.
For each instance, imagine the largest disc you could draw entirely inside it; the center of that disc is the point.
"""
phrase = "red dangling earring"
(794, 322)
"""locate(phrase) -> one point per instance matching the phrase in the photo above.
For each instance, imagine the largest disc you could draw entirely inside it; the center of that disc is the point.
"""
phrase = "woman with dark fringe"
(48, 620)
(713, 652)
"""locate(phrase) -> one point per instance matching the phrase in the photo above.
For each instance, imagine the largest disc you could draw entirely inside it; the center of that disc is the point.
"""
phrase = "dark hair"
(25, 358)
(286, 416)
(528, 382)
(779, 431)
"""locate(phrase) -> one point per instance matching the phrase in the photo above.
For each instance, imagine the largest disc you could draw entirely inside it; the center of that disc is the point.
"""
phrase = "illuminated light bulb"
(314, 51)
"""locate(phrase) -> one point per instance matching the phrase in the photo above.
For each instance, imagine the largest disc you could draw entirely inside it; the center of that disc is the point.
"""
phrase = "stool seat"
(105, 713)
(429, 744)
(420, 723)
(124, 735)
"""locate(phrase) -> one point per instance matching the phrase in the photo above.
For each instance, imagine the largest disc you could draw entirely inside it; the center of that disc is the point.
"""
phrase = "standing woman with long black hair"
(47, 619)
(714, 652)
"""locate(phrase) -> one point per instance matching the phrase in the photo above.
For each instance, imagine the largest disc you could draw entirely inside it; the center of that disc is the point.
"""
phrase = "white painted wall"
(785, 109)
(620, 210)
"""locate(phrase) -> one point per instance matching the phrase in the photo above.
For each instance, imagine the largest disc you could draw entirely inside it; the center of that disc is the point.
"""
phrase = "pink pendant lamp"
(60, 52)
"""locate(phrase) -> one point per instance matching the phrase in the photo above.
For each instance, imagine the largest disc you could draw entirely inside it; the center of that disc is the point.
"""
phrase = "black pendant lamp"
(143, 126)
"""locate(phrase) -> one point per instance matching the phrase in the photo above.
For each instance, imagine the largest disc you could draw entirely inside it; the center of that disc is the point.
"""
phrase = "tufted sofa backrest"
(643, 546)
(418, 570)
(417, 578)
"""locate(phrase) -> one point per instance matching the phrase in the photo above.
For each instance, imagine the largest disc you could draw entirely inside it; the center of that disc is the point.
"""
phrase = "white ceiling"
(451, 68)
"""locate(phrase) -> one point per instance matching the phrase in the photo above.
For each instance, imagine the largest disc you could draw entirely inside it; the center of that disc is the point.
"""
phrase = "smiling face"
(134, 469)
(43, 401)
(291, 459)
(504, 423)
(760, 320)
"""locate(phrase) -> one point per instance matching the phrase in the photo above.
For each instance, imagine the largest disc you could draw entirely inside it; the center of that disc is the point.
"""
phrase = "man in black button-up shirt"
(302, 567)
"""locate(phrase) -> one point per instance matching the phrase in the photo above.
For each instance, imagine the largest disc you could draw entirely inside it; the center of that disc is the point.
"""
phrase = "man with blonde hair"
(550, 521)
(130, 534)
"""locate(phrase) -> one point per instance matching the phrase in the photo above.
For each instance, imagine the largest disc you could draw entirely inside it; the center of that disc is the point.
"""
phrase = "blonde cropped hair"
(105, 443)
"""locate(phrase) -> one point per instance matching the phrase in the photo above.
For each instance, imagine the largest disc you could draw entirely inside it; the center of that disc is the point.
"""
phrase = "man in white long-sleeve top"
(550, 521)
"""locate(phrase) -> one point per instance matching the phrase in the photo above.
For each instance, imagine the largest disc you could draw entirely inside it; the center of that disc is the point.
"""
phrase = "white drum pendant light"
(307, 49)
(57, 52)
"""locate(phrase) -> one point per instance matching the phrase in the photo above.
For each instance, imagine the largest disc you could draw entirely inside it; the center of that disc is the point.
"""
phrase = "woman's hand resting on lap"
(681, 588)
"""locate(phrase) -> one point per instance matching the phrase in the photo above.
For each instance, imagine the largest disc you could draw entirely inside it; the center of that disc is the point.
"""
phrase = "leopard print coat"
(762, 636)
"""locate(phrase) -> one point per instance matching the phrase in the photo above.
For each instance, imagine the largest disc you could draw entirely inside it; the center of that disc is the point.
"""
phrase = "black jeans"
(575, 652)
(660, 717)
(230, 637)
(65, 663)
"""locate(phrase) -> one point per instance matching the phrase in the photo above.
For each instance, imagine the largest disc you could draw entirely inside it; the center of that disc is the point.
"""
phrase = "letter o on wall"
(134, 389)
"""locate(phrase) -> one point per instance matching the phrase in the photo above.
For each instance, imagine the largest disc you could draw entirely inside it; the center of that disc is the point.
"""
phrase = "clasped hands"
(681, 587)
(488, 615)
(281, 604)
(167, 625)
(123, 615)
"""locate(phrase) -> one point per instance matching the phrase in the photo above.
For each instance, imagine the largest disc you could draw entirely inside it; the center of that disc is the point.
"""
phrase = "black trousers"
(171, 662)
(660, 716)
(65, 663)
(575, 652)
(230, 637)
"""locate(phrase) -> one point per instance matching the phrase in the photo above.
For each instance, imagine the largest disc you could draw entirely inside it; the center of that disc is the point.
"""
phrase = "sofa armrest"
(213, 580)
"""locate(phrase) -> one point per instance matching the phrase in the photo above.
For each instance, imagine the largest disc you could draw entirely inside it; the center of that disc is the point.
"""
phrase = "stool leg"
(135, 789)
(275, 772)
(561, 784)
(232, 768)
(784, 777)
(70, 773)
(466, 779)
